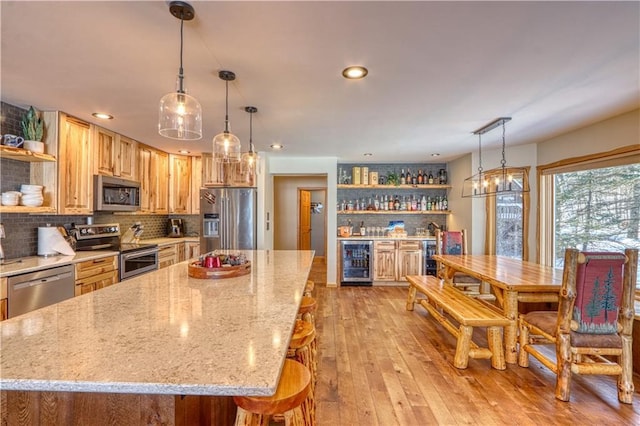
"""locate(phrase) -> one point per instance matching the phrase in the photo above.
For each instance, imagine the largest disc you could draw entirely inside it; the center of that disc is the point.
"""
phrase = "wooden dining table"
(512, 281)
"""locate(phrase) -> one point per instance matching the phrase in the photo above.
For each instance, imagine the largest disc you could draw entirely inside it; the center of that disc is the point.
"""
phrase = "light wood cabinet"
(75, 168)
(181, 252)
(179, 184)
(409, 259)
(92, 275)
(196, 184)
(4, 306)
(105, 146)
(384, 253)
(168, 255)
(153, 174)
(208, 170)
(192, 250)
(126, 161)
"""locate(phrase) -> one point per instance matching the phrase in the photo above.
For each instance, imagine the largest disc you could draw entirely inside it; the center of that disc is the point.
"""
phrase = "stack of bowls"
(31, 195)
(11, 198)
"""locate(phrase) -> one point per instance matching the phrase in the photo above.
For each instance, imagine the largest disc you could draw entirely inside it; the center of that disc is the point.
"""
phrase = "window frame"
(625, 155)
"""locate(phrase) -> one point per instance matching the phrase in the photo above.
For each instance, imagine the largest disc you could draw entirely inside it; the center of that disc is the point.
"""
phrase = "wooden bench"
(467, 312)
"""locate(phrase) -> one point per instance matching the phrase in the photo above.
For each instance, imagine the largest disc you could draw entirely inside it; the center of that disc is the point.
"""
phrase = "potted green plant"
(33, 130)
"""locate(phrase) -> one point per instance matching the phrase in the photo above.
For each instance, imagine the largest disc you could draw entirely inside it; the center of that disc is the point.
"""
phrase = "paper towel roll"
(51, 242)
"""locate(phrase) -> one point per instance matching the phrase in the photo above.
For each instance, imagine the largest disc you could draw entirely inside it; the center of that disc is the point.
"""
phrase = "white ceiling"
(437, 70)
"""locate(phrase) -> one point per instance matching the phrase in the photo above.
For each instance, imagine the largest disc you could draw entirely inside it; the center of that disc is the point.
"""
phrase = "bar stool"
(308, 289)
(293, 388)
(307, 311)
(303, 348)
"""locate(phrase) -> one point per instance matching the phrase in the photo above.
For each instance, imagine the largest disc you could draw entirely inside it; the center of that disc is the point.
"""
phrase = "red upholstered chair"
(592, 329)
(455, 242)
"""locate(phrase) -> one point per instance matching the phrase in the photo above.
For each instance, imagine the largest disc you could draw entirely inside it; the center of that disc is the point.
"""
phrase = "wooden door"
(126, 158)
(75, 167)
(179, 184)
(105, 143)
(304, 220)
(196, 183)
(160, 182)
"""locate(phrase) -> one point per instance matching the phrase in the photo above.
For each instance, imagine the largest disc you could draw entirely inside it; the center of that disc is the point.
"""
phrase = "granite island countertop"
(163, 333)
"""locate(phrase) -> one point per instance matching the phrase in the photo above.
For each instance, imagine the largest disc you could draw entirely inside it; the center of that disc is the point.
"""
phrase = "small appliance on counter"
(175, 228)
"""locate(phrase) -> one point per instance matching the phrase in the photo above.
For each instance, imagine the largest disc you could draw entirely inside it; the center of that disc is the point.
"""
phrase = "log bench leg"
(411, 299)
(494, 339)
(461, 358)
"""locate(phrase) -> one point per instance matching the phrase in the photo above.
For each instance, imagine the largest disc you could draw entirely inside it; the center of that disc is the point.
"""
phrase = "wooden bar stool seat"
(307, 311)
(303, 348)
(293, 388)
(309, 287)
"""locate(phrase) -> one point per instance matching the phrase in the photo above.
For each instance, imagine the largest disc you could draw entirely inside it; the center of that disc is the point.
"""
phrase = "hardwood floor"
(382, 365)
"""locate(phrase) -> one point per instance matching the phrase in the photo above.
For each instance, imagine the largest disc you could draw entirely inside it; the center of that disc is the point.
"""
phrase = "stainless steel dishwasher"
(35, 290)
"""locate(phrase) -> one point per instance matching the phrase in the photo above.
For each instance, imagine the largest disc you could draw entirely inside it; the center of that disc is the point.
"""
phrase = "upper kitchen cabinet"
(179, 184)
(196, 183)
(115, 155)
(75, 168)
(153, 174)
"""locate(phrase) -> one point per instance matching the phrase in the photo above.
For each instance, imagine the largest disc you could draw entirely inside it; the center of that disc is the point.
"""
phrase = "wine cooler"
(428, 250)
(357, 262)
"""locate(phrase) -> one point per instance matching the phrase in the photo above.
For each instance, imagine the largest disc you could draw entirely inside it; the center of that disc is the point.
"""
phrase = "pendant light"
(226, 146)
(180, 114)
(500, 180)
(250, 159)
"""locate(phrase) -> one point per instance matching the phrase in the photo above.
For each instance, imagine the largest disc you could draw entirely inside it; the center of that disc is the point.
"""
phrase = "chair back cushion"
(452, 242)
(598, 293)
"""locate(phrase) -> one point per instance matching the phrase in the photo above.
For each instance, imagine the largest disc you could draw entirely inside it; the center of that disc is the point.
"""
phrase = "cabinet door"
(160, 182)
(196, 183)
(409, 263)
(126, 158)
(385, 265)
(4, 310)
(192, 250)
(84, 289)
(181, 252)
(208, 170)
(144, 175)
(179, 184)
(75, 167)
(105, 143)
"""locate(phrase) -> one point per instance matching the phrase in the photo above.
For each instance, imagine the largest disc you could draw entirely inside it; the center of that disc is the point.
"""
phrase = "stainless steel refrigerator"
(228, 219)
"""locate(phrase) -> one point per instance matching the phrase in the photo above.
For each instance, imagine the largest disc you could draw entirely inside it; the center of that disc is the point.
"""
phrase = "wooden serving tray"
(197, 271)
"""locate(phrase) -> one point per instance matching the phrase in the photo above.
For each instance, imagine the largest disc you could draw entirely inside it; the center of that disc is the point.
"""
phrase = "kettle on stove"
(175, 228)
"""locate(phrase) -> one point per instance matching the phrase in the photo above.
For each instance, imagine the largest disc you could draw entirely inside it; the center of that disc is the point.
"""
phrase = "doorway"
(312, 220)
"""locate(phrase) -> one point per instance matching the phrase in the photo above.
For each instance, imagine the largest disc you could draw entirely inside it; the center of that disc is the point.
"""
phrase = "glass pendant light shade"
(249, 160)
(180, 117)
(226, 147)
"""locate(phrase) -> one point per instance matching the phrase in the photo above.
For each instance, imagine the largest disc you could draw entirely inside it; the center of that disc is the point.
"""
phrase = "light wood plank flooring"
(382, 365)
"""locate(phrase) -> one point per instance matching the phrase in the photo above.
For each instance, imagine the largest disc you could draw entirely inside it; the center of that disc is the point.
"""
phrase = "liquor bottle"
(445, 203)
(403, 203)
(414, 179)
(403, 179)
(376, 203)
(430, 178)
(391, 203)
(396, 204)
(429, 203)
(408, 177)
(420, 177)
(423, 204)
(414, 203)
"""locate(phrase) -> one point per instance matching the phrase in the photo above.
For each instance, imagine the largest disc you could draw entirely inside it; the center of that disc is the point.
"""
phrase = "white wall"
(462, 208)
(278, 165)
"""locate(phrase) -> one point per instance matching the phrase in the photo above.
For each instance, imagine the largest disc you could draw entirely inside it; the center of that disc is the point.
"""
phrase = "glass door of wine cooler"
(357, 262)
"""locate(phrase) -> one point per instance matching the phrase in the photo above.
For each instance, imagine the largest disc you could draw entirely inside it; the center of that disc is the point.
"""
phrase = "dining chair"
(455, 242)
(592, 329)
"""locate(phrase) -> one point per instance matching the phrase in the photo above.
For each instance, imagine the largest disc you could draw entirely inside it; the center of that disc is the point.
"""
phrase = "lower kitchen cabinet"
(92, 275)
(4, 307)
(168, 255)
(192, 250)
(384, 254)
(409, 259)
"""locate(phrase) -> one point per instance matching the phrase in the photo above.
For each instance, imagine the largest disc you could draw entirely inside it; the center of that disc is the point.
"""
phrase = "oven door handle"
(128, 256)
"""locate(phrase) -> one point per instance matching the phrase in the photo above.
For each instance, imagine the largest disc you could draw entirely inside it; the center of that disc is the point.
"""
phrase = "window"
(592, 203)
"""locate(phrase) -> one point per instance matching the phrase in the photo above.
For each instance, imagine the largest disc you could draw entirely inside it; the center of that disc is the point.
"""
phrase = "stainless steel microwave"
(114, 194)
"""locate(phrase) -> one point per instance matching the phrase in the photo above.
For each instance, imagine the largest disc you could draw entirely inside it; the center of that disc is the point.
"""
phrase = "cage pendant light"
(226, 146)
(249, 161)
(180, 115)
(500, 180)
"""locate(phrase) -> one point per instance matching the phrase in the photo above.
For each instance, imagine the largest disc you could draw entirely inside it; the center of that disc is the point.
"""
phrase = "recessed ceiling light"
(435, 154)
(277, 146)
(183, 151)
(368, 154)
(355, 72)
(102, 116)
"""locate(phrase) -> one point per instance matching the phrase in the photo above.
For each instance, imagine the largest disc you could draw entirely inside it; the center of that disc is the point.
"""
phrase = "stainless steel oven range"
(135, 259)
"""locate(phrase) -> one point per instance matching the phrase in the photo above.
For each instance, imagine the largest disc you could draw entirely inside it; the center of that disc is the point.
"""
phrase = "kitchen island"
(132, 352)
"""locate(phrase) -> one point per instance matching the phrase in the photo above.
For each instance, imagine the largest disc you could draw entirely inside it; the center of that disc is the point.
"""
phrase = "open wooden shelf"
(403, 212)
(24, 155)
(25, 209)
(434, 186)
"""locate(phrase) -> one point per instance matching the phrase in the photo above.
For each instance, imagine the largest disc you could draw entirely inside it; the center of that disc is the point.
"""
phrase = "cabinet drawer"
(166, 251)
(409, 245)
(384, 245)
(96, 266)
(109, 276)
